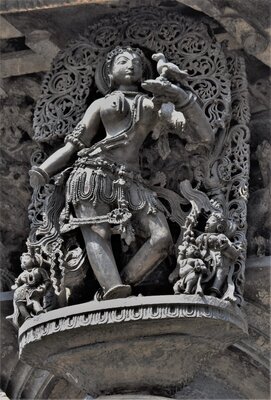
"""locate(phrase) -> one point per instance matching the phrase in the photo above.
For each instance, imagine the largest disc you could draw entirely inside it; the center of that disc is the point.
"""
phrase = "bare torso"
(117, 116)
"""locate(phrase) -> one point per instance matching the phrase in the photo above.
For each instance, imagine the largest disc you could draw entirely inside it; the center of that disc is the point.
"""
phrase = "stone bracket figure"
(105, 192)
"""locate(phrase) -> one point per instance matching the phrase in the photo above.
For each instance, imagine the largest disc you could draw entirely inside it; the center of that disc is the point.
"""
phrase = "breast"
(118, 113)
(115, 114)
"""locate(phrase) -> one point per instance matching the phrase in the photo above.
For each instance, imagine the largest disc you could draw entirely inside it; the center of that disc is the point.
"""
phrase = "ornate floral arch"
(216, 76)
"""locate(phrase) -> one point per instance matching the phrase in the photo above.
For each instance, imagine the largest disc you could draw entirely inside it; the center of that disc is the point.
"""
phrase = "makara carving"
(153, 175)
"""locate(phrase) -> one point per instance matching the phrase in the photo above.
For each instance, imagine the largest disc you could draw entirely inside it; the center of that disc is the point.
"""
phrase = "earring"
(111, 82)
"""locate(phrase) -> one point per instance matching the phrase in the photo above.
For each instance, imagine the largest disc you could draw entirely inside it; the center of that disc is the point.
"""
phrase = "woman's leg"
(23, 310)
(153, 251)
(37, 308)
(98, 246)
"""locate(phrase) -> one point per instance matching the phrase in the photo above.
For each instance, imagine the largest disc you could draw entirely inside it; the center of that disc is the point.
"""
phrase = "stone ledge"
(131, 344)
(131, 309)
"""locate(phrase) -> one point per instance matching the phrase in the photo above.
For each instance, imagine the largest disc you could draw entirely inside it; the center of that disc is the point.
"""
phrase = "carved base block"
(133, 344)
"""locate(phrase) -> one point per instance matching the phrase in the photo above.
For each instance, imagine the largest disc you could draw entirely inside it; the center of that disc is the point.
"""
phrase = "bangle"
(191, 99)
(43, 173)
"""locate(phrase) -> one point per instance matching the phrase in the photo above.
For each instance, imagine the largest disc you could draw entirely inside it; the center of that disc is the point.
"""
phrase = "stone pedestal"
(131, 345)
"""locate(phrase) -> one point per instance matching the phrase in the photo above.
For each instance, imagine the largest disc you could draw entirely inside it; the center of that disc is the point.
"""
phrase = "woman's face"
(26, 261)
(126, 69)
(211, 224)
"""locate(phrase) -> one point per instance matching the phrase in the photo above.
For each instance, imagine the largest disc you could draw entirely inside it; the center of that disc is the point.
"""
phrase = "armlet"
(187, 103)
(77, 136)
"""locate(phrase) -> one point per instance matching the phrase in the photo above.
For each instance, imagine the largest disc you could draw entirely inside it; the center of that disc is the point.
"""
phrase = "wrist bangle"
(43, 173)
(191, 99)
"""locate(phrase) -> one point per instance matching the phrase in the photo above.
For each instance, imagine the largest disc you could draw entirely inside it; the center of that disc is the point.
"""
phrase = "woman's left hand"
(164, 90)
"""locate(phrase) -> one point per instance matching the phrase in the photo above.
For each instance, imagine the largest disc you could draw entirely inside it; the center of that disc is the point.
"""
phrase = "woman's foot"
(117, 292)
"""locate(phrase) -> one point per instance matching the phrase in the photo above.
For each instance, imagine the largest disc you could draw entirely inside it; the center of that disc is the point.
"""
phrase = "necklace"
(129, 92)
(135, 107)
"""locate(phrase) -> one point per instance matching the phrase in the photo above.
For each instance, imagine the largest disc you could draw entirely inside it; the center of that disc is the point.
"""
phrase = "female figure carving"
(214, 241)
(30, 288)
(191, 270)
(105, 192)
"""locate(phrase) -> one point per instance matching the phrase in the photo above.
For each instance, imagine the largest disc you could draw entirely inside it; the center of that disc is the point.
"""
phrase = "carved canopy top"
(67, 87)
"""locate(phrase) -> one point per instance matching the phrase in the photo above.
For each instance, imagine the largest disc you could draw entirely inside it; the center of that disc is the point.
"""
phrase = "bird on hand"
(168, 70)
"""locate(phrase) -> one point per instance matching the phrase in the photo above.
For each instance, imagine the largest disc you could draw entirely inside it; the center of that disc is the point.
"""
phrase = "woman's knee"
(89, 232)
(161, 238)
(102, 231)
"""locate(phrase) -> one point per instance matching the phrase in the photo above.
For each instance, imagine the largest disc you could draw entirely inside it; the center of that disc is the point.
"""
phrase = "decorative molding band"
(39, 327)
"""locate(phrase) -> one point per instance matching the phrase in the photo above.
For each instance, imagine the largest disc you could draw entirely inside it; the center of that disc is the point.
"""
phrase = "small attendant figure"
(215, 241)
(191, 270)
(30, 288)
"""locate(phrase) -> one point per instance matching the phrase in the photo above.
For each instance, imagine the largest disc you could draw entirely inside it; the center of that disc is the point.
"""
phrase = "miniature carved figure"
(105, 193)
(191, 270)
(30, 289)
(218, 249)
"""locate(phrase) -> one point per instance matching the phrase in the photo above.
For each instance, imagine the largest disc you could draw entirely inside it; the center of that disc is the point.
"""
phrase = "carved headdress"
(103, 71)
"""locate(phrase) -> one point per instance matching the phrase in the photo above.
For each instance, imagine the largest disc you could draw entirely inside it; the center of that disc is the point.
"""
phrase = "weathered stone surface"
(257, 308)
(158, 332)
(218, 380)
(251, 357)
(259, 214)
(22, 63)
(66, 90)
(9, 342)
(27, 5)
(237, 21)
(16, 150)
(249, 25)
(36, 55)
(131, 397)
(8, 31)
(221, 381)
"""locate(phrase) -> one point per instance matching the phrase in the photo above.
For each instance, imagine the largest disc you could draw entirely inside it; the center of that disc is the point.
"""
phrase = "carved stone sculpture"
(218, 249)
(205, 261)
(147, 197)
(105, 192)
(29, 289)
(191, 270)
(143, 167)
